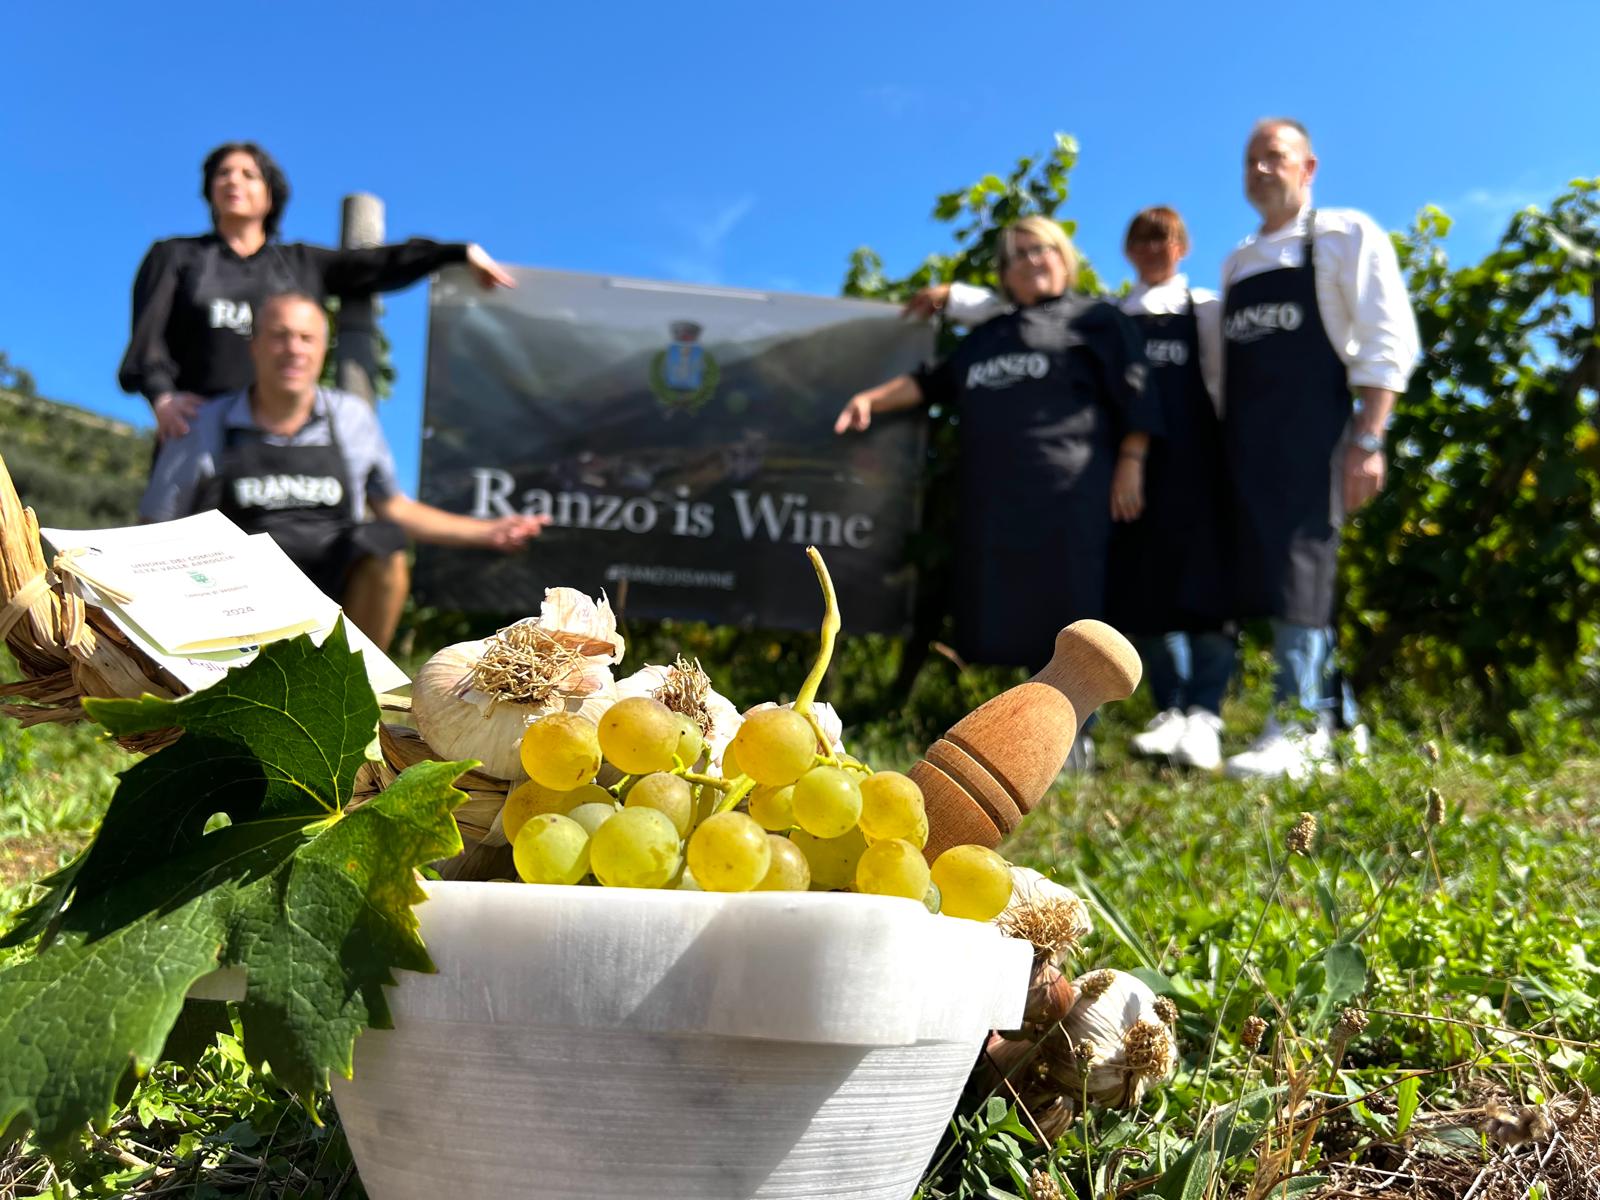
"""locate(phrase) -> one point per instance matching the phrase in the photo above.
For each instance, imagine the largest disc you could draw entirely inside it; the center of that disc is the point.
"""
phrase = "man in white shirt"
(1314, 308)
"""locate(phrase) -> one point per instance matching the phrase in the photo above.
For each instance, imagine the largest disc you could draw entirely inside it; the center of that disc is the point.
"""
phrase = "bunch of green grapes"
(787, 813)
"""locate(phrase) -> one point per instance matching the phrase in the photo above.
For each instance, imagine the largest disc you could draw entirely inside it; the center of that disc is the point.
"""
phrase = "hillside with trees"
(76, 469)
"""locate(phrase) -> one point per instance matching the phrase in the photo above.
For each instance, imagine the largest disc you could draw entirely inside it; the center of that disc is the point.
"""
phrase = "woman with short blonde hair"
(1043, 231)
(1047, 397)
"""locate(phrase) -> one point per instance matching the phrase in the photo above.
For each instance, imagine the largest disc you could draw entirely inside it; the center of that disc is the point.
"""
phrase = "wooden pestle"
(997, 762)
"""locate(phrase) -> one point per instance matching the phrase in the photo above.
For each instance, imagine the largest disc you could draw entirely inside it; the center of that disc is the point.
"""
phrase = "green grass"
(1449, 938)
(55, 782)
(1471, 945)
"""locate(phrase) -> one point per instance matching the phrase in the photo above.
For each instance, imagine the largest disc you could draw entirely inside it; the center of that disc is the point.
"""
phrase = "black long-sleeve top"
(194, 300)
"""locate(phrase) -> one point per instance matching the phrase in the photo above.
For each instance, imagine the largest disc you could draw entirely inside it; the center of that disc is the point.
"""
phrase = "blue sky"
(743, 144)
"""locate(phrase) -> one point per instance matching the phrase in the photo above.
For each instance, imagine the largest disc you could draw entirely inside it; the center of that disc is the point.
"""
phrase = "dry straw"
(684, 691)
(65, 649)
(524, 664)
(1054, 924)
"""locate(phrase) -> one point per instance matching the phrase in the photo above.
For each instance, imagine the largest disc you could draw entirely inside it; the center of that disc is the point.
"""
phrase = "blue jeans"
(1188, 670)
(1303, 675)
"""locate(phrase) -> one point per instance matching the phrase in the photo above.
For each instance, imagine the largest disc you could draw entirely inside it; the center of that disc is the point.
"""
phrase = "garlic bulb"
(685, 688)
(474, 699)
(1050, 996)
(1119, 1042)
(1045, 913)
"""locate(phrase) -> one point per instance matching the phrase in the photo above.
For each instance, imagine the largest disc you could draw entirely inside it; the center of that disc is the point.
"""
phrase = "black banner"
(680, 438)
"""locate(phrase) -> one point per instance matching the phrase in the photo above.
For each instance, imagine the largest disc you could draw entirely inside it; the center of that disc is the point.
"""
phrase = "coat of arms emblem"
(684, 375)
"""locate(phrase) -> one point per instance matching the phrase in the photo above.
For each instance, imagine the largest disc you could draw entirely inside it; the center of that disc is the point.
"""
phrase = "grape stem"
(830, 630)
(743, 784)
(721, 785)
(826, 755)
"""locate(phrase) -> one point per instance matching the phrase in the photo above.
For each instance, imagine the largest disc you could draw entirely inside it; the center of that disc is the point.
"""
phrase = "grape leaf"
(310, 896)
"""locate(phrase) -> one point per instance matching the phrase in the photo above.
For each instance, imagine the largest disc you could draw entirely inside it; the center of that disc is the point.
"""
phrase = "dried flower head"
(1083, 1052)
(1053, 925)
(1303, 834)
(684, 691)
(1516, 1126)
(1430, 751)
(1251, 1033)
(1042, 1186)
(1167, 1010)
(685, 688)
(1093, 985)
(1435, 808)
(1351, 1022)
(1147, 1049)
(1044, 912)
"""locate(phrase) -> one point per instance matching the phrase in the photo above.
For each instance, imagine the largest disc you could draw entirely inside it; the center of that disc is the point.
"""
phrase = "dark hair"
(1162, 222)
(282, 297)
(271, 174)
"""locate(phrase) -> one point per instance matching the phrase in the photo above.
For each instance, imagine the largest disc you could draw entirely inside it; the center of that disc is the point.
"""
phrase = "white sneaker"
(1280, 753)
(1161, 737)
(1359, 744)
(1200, 746)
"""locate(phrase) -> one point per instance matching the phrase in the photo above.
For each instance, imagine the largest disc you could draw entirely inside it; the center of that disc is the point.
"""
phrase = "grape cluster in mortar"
(786, 812)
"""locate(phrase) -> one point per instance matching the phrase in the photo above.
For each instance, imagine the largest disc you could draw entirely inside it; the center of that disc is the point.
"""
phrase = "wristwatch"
(1372, 443)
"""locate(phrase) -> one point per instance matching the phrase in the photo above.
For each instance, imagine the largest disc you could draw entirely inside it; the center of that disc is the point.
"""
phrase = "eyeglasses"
(1032, 254)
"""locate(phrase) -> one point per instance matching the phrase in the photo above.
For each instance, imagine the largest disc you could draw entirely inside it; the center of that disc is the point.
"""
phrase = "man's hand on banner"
(902, 391)
(856, 415)
(512, 533)
(490, 273)
(929, 302)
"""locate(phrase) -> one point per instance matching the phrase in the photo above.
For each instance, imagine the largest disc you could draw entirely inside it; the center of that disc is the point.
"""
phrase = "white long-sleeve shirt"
(1360, 293)
(971, 305)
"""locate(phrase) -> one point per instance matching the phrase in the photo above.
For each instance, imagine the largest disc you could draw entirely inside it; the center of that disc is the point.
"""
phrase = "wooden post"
(356, 355)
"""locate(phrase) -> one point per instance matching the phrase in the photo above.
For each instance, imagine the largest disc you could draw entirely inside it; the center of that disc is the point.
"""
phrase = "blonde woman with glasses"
(1047, 398)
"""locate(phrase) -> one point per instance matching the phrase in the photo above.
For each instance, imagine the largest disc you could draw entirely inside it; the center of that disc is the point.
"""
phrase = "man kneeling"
(305, 464)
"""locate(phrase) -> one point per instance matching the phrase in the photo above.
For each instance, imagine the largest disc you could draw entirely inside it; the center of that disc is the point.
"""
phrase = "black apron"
(1284, 425)
(1038, 443)
(1166, 568)
(301, 495)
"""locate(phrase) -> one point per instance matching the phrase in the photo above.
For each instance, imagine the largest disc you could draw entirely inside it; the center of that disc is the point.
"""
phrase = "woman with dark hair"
(194, 297)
